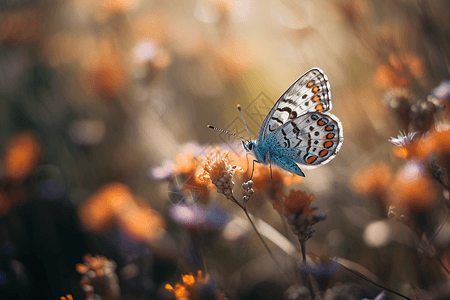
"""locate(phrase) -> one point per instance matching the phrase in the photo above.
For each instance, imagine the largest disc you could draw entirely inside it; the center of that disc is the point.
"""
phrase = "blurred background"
(104, 105)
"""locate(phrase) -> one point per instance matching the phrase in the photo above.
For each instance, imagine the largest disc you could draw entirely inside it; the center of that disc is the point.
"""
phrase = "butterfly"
(299, 129)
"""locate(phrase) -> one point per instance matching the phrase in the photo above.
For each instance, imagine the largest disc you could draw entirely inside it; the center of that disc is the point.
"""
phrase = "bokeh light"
(105, 150)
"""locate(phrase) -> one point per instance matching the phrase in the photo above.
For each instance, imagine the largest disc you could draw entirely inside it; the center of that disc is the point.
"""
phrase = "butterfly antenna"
(227, 132)
(242, 115)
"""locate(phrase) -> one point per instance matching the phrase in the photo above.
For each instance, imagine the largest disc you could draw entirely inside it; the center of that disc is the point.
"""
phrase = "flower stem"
(283, 273)
(306, 277)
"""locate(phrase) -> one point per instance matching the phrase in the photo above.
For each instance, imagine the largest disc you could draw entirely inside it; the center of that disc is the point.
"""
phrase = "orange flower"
(141, 222)
(295, 202)
(435, 142)
(373, 180)
(68, 297)
(190, 287)
(394, 75)
(22, 155)
(412, 189)
(188, 166)
(106, 72)
(186, 163)
(98, 213)
(114, 203)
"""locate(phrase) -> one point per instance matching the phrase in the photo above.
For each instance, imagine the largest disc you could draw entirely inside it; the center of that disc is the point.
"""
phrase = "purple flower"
(162, 172)
(380, 296)
(442, 91)
(320, 269)
(189, 216)
(197, 215)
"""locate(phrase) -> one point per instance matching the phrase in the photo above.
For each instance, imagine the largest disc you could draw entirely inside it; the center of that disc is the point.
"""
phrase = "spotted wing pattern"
(312, 139)
(310, 93)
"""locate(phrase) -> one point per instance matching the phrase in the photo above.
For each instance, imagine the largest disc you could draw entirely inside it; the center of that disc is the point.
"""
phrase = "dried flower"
(192, 288)
(396, 214)
(300, 216)
(248, 188)
(219, 170)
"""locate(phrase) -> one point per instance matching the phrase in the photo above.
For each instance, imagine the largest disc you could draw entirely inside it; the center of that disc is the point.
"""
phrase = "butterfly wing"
(312, 139)
(286, 164)
(309, 93)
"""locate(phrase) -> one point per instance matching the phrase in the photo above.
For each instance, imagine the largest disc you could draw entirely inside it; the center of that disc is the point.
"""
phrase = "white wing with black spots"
(309, 93)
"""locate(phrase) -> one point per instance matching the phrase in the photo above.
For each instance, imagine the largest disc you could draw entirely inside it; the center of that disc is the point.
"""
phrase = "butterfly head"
(249, 147)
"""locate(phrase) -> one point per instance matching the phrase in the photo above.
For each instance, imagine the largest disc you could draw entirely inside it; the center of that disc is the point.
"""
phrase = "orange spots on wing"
(321, 122)
(315, 89)
(322, 153)
(319, 107)
(315, 98)
(310, 84)
(330, 136)
(329, 128)
(328, 144)
(311, 159)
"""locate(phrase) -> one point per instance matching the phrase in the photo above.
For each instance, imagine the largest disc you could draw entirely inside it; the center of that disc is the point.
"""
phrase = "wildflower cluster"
(99, 277)
(192, 288)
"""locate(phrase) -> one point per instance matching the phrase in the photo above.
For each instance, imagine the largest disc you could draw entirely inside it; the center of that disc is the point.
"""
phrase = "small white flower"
(402, 140)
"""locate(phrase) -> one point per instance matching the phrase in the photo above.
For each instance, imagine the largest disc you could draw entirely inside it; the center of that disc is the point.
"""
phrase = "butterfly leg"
(253, 169)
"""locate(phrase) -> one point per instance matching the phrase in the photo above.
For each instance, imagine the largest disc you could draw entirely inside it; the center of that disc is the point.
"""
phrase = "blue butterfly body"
(298, 129)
